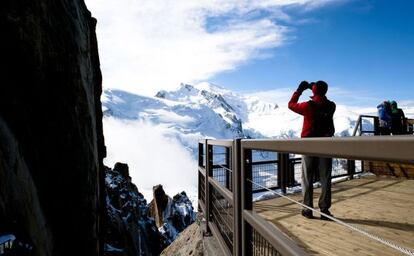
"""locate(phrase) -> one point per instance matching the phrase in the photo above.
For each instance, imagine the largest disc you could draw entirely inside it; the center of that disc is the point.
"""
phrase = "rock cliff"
(172, 215)
(129, 229)
(51, 140)
(134, 227)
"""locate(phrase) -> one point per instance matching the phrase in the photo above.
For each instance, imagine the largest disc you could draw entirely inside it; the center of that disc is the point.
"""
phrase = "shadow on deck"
(381, 206)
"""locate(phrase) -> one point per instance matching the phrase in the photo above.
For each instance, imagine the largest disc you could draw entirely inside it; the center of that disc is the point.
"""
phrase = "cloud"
(147, 45)
(152, 156)
(360, 98)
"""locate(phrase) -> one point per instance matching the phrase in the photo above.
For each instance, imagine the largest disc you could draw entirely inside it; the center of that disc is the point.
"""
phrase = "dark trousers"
(311, 165)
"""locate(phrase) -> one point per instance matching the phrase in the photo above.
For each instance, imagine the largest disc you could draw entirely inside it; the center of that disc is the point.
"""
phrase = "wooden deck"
(380, 206)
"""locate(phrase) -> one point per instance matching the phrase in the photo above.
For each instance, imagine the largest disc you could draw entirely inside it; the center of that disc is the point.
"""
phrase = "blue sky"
(364, 47)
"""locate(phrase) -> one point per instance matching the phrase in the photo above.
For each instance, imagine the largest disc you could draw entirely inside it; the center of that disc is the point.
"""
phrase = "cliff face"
(51, 143)
(172, 215)
(129, 229)
(134, 227)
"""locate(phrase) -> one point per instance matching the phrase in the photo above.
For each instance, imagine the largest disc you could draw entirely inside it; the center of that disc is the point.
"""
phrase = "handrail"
(380, 148)
(358, 125)
(397, 148)
(202, 170)
(227, 194)
(273, 235)
(223, 143)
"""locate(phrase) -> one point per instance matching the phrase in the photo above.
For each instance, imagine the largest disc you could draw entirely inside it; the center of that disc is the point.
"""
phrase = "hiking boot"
(307, 214)
(327, 212)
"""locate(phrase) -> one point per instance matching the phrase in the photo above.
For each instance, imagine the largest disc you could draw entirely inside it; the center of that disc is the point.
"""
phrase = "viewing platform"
(372, 195)
(382, 206)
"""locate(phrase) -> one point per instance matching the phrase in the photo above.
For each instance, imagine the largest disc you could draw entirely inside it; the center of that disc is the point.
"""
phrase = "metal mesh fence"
(339, 167)
(222, 166)
(223, 176)
(261, 247)
(265, 174)
(201, 155)
(222, 216)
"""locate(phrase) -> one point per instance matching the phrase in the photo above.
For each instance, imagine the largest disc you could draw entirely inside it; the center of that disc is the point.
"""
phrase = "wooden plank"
(384, 207)
(390, 169)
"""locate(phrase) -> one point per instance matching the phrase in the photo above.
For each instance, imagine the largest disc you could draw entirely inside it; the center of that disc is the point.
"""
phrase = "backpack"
(322, 124)
(384, 116)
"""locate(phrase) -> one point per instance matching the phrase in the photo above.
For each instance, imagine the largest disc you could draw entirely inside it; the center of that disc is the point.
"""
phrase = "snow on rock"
(132, 228)
(172, 215)
(129, 229)
(187, 114)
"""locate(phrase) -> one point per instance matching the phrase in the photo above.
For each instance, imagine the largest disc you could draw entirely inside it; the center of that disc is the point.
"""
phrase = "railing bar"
(217, 234)
(227, 226)
(202, 206)
(225, 212)
(224, 233)
(222, 190)
(378, 148)
(218, 212)
(223, 143)
(223, 167)
(202, 170)
(222, 224)
(265, 162)
(273, 235)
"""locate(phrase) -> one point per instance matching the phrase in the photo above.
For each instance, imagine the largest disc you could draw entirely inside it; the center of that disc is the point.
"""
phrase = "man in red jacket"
(318, 122)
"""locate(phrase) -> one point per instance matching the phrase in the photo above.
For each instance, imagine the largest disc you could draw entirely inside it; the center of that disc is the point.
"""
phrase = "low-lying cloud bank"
(153, 158)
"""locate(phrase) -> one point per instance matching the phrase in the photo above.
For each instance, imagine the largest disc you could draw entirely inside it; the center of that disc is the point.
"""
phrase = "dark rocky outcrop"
(134, 227)
(158, 205)
(172, 215)
(51, 143)
(129, 229)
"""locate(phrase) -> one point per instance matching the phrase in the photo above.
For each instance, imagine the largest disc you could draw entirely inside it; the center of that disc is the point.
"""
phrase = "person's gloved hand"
(303, 86)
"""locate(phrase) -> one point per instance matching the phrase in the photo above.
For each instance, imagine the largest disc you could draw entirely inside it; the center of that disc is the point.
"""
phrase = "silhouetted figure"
(318, 122)
(384, 116)
(398, 125)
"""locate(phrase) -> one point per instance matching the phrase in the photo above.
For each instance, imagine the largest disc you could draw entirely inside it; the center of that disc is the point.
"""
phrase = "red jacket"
(309, 112)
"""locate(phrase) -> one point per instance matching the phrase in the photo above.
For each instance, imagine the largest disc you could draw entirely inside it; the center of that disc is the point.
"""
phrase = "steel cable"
(399, 248)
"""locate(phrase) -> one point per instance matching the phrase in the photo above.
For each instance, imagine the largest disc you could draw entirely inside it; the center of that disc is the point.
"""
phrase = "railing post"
(209, 170)
(283, 171)
(358, 124)
(290, 171)
(236, 184)
(227, 173)
(376, 125)
(351, 168)
(200, 154)
(246, 199)
(200, 163)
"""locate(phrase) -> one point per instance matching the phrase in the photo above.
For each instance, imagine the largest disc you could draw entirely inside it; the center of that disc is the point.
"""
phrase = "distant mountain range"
(205, 110)
(158, 136)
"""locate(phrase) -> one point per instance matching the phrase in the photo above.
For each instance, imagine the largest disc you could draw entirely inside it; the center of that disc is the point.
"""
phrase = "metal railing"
(363, 126)
(228, 206)
(369, 125)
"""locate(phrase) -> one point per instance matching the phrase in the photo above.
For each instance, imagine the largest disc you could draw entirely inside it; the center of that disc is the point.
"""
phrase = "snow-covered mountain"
(209, 111)
(189, 113)
(158, 135)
